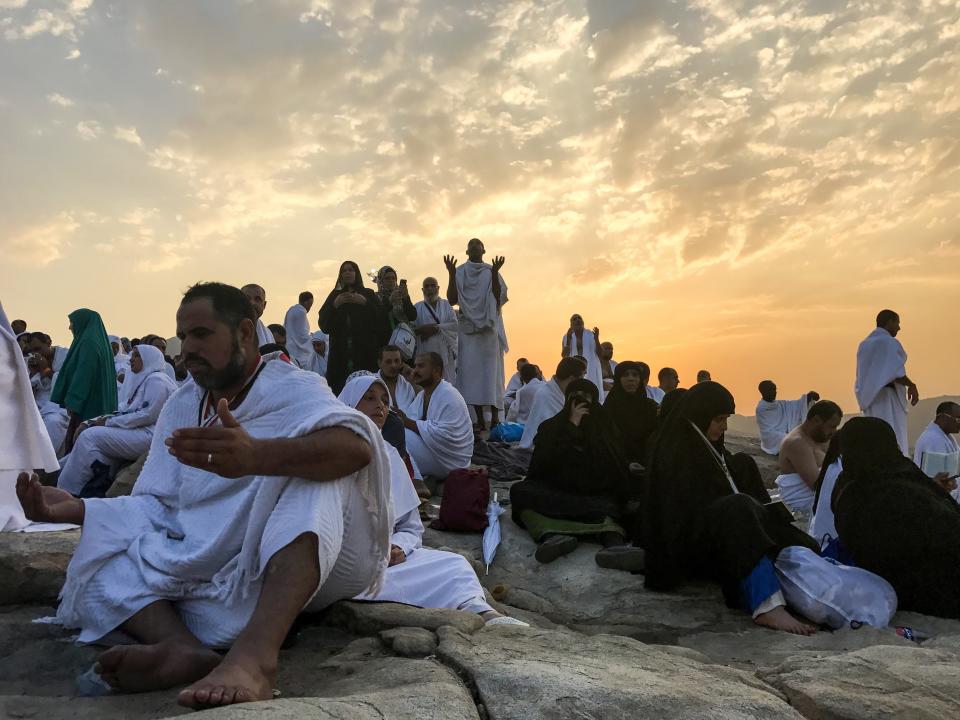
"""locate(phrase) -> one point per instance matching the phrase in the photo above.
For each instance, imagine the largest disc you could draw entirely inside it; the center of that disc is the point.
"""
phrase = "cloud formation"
(613, 149)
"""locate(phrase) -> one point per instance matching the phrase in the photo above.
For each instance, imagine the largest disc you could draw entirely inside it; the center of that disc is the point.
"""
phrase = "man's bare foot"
(238, 679)
(142, 668)
(780, 619)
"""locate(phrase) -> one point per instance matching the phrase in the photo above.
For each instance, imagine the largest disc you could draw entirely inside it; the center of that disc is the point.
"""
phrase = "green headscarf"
(87, 382)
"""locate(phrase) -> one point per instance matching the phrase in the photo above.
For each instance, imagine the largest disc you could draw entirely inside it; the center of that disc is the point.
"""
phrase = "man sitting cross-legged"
(439, 431)
(261, 496)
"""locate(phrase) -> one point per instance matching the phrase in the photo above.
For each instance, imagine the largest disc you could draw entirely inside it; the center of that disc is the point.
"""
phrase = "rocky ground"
(599, 646)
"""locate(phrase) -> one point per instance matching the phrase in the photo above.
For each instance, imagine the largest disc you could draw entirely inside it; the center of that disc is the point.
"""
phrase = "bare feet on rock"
(238, 679)
(142, 668)
(780, 619)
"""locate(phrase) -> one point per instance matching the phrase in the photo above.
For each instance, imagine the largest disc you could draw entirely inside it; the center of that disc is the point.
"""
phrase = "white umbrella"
(491, 536)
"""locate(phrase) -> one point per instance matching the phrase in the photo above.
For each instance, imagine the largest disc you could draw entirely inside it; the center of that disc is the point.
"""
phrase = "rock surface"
(33, 565)
(875, 682)
(555, 675)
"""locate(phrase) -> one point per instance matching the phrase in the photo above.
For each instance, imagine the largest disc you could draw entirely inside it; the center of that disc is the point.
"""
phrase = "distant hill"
(919, 417)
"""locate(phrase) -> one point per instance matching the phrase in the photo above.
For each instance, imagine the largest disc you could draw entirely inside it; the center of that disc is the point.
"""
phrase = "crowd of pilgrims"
(640, 471)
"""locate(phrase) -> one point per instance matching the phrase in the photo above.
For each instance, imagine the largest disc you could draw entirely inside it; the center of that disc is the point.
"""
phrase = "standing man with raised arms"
(480, 292)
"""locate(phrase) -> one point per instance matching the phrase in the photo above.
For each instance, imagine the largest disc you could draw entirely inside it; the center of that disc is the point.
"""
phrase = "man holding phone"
(938, 438)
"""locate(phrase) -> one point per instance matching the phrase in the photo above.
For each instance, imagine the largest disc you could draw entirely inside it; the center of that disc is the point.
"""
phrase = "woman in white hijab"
(417, 575)
(126, 435)
(24, 443)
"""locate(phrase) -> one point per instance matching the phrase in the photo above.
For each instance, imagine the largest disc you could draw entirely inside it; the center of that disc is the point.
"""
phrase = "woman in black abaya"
(895, 521)
(355, 321)
(634, 414)
(579, 484)
(706, 515)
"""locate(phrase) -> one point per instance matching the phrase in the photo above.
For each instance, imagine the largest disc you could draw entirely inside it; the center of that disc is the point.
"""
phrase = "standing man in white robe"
(24, 444)
(439, 433)
(938, 438)
(578, 342)
(775, 418)
(480, 292)
(550, 398)
(513, 385)
(436, 327)
(390, 363)
(297, 325)
(262, 496)
(126, 435)
(258, 298)
(882, 377)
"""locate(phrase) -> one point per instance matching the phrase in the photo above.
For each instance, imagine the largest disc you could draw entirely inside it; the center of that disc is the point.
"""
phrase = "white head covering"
(319, 335)
(153, 362)
(403, 496)
(356, 387)
(24, 443)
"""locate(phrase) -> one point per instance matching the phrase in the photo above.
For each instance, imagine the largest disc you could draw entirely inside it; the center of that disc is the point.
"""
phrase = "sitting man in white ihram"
(262, 496)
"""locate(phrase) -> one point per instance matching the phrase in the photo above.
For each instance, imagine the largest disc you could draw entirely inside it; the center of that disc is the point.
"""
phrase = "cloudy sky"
(724, 184)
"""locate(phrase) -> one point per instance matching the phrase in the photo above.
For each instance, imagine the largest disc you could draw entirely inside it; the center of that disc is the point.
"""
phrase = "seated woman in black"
(634, 414)
(578, 485)
(705, 513)
(896, 522)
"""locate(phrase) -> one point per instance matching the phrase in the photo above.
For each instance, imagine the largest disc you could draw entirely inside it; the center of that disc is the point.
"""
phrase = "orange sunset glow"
(735, 186)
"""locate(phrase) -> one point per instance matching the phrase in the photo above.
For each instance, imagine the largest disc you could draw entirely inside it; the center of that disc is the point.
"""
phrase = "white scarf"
(153, 364)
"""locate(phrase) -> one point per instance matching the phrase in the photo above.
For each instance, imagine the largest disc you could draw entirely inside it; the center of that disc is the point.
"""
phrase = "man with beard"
(480, 292)
(262, 495)
(802, 453)
(439, 433)
(436, 328)
(258, 298)
(390, 362)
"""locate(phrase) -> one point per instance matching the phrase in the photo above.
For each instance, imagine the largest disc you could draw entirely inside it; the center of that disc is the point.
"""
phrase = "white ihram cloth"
(546, 403)
(881, 359)
(299, 346)
(795, 493)
(588, 351)
(24, 444)
(822, 526)
(319, 362)
(481, 339)
(934, 440)
(264, 336)
(445, 442)
(427, 578)
(655, 393)
(203, 541)
(444, 343)
(520, 409)
(406, 393)
(128, 433)
(510, 394)
(776, 419)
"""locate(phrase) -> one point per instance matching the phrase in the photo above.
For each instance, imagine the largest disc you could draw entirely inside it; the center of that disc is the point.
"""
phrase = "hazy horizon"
(716, 184)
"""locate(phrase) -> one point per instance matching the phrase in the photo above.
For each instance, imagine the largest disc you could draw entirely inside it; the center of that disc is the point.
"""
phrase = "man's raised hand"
(451, 262)
(228, 450)
(47, 504)
(498, 263)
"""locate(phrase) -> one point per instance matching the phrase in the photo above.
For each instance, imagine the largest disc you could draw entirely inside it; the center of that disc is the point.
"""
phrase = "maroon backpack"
(466, 494)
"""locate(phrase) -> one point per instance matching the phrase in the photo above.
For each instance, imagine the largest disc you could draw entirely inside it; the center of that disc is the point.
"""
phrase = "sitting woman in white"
(417, 575)
(519, 411)
(125, 436)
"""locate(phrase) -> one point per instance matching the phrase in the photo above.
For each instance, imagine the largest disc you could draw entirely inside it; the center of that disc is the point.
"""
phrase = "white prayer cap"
(319, 335)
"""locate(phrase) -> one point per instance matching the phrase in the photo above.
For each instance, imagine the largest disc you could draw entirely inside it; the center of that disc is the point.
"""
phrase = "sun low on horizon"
(725, 185)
